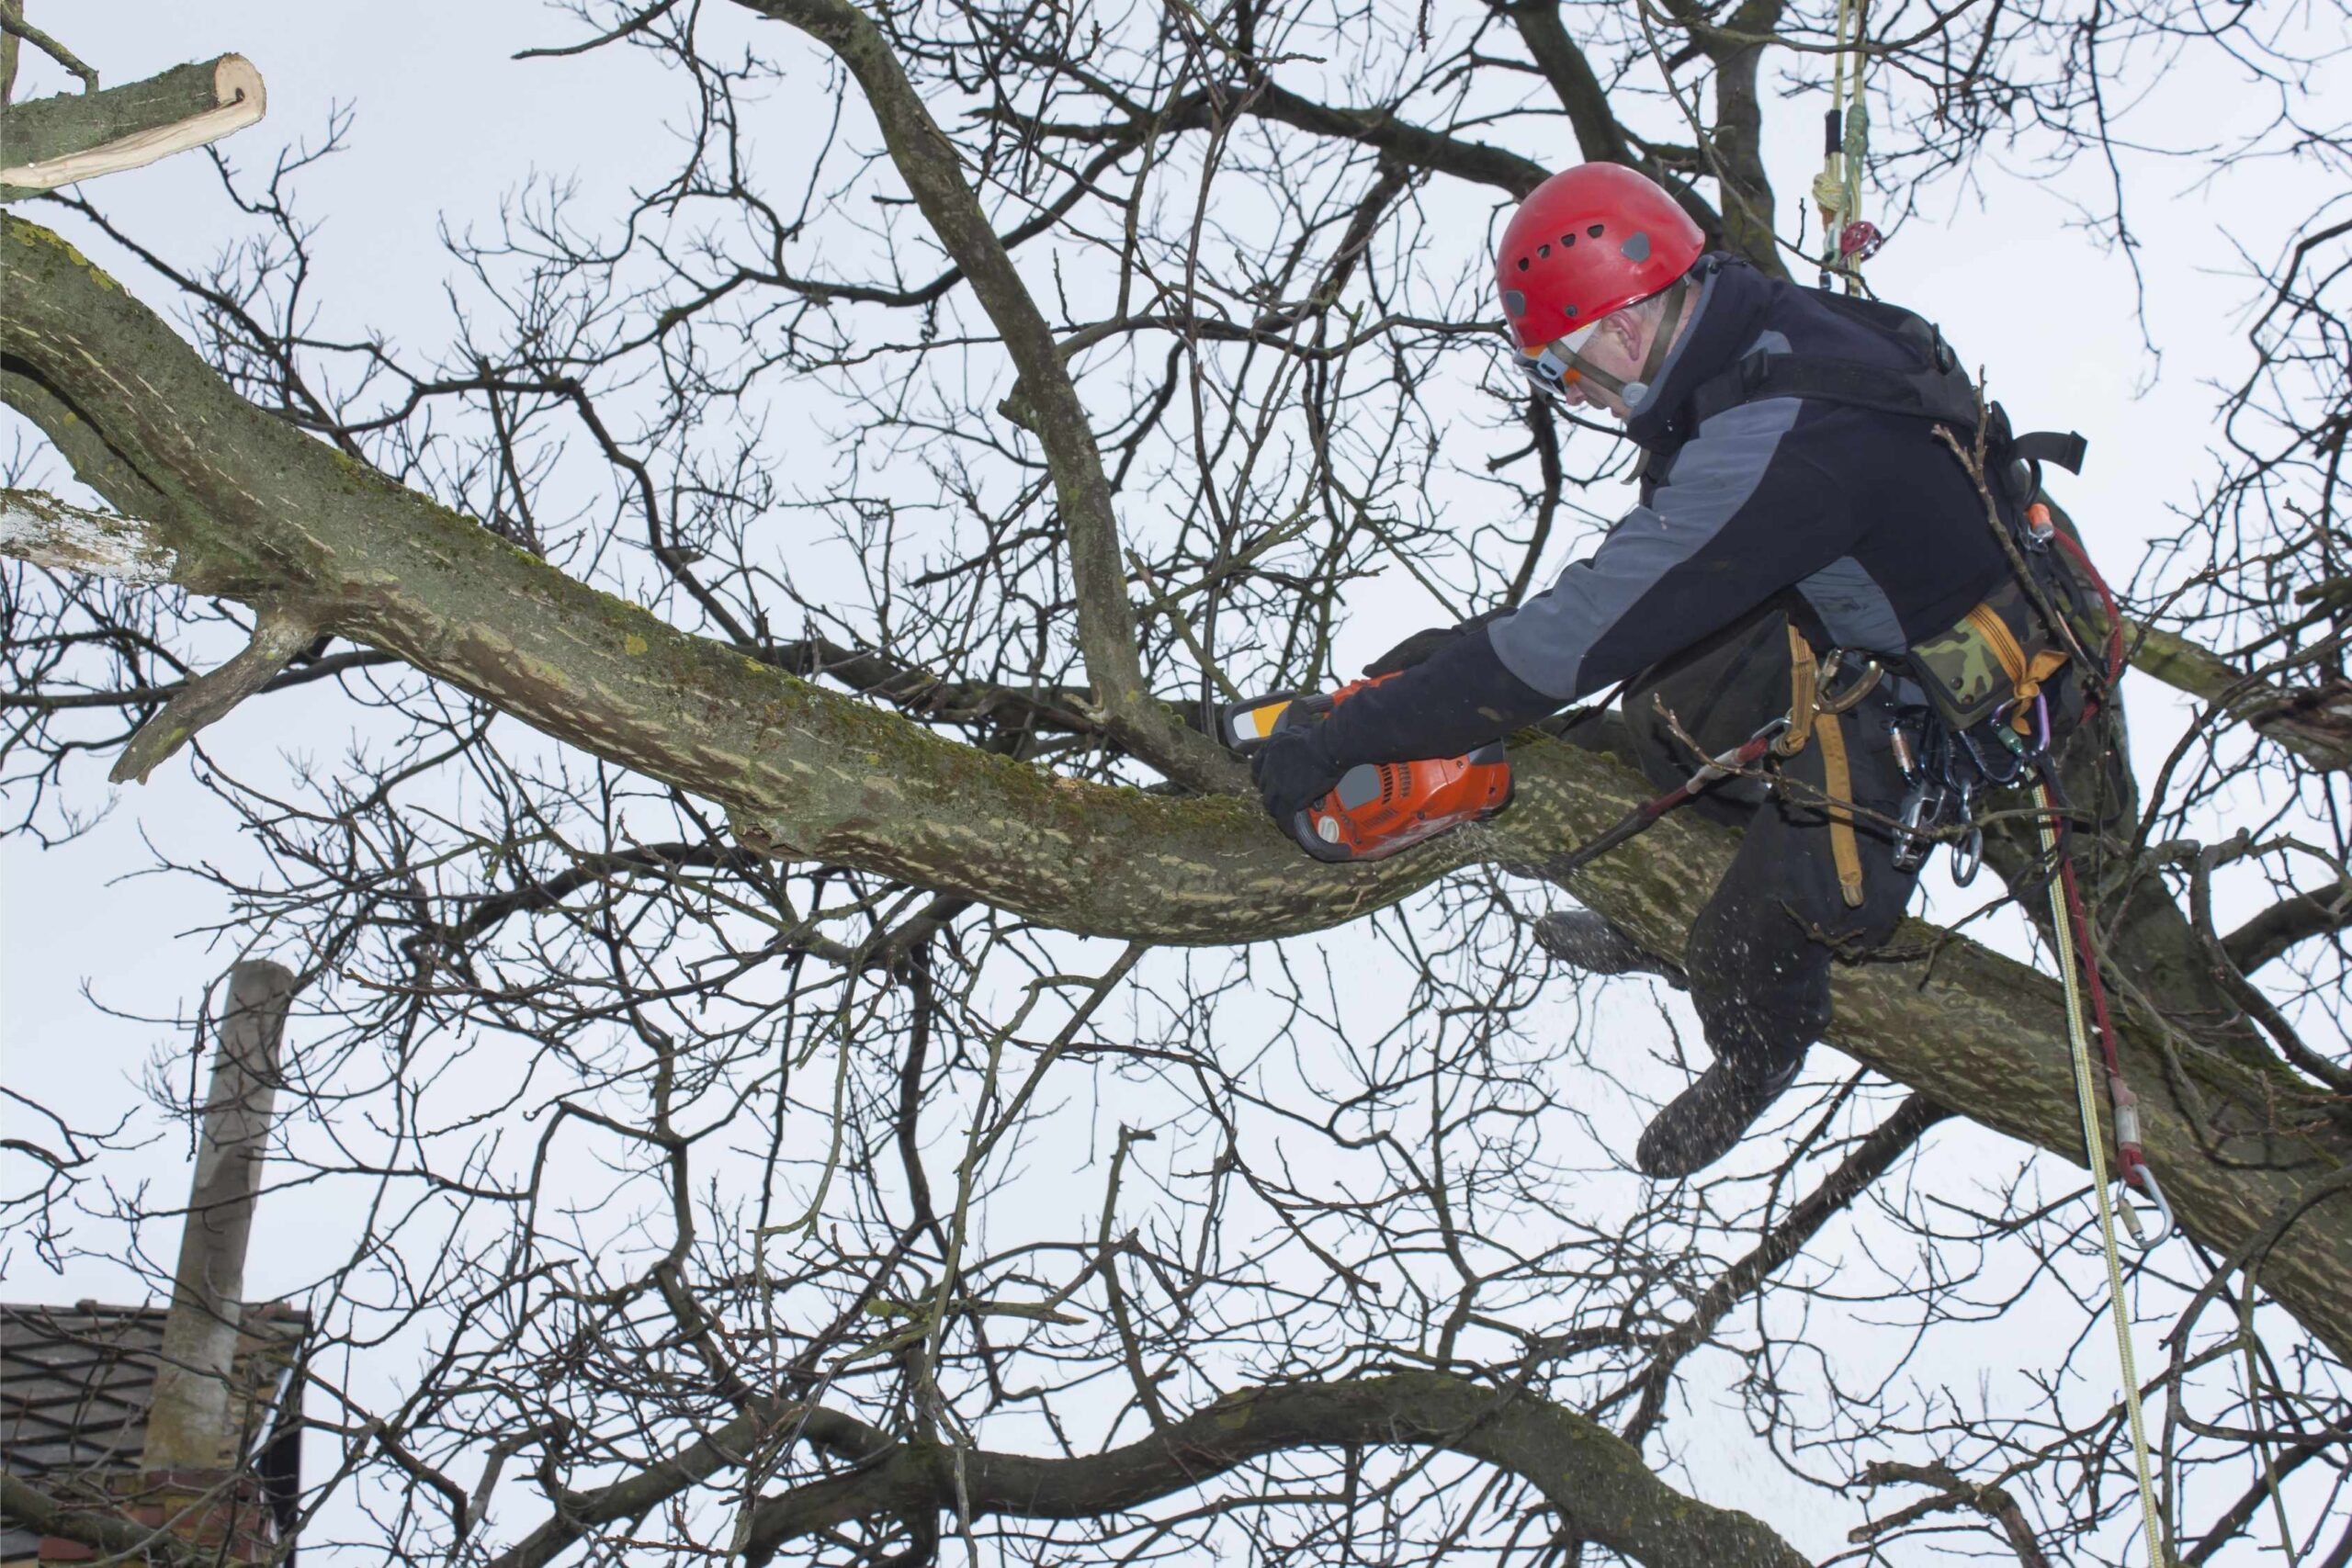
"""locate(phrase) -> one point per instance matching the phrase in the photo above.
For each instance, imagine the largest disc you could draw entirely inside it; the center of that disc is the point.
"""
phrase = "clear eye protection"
(1550, 373)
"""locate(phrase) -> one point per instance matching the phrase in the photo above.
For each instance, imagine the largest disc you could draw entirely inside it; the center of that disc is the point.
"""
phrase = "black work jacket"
(1863, 521)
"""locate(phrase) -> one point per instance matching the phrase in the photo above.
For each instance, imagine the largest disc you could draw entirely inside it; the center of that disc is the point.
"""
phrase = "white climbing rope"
(2086, 1105)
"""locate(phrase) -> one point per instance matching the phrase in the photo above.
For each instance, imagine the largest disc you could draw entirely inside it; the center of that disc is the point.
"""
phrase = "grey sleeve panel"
(1854, 609)
(1545, 642)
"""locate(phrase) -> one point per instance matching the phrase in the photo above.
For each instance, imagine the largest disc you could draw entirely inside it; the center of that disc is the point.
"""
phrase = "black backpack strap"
(1933, 386)
(2067, 451)
(1946, 397)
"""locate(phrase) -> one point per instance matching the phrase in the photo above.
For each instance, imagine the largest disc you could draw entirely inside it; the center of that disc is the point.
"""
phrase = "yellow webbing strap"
(1804, 694)
(2095, 1144)
(1807, 718)
(2046, 663)
(1844, 851)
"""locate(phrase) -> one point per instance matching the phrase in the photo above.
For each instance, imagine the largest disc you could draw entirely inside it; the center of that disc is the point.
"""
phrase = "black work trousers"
(1759, 952)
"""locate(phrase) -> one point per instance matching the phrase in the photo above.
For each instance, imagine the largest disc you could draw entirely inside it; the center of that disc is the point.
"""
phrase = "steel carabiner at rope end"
(2130, 1212)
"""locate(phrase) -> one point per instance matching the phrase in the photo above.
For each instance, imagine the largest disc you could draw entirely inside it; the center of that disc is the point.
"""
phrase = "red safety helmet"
(1588, 241)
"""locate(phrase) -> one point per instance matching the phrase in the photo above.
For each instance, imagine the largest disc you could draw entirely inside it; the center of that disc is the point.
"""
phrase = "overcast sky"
(446, 126)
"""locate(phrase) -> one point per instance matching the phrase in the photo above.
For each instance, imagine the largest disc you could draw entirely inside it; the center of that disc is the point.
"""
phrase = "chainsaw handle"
(1302, 833)
(1299, 708)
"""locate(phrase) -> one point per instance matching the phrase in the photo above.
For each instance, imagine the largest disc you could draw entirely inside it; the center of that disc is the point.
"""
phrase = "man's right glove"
(1425, 644)
(1294, 770)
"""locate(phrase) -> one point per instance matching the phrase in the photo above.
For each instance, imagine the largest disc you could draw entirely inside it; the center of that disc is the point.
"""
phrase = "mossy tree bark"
(231, 502)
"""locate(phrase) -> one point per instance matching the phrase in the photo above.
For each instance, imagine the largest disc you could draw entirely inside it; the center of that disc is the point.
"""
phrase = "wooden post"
(190, 1425)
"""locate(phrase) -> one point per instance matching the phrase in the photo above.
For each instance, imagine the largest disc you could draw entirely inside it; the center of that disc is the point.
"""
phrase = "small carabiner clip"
(2157, 1202)
(1868, 672)
(1920, 809)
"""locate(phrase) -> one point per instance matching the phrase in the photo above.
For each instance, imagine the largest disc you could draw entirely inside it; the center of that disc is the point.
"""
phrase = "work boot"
(1582, 940)
(1704, 1122)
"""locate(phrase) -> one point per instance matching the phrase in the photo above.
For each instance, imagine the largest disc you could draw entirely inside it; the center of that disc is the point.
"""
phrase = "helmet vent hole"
(1568, 240)
(1523, 264)
(1593, 231)
(1543, 249)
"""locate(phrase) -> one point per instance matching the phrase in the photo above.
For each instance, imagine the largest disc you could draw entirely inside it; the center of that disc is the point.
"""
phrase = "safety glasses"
(1550, 373)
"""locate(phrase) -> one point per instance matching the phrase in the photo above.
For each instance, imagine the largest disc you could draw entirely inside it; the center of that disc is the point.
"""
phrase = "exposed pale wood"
(79, 136)
(48, 532)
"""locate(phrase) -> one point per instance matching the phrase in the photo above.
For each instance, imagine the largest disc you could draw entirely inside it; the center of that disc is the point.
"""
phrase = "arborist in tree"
(1807, 555)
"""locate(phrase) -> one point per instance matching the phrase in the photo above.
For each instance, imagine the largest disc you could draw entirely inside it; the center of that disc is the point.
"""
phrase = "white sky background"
(447, 126)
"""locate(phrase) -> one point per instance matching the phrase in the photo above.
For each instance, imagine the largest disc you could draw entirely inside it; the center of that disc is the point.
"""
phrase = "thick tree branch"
(250, 509)
(927, 161)
(1736, 147)
(1599, 136)
(2291, 921)
(277, 637)
(107, 1529)
(2315, 723)
(1597, 1481)
(51, 533)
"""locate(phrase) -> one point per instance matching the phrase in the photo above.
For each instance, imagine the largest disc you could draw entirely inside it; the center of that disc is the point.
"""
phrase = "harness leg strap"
(1807, 719)
(1844, 850)
(1804, 696)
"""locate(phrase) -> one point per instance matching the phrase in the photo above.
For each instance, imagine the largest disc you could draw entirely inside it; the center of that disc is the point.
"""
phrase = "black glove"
(1293, 772)
(1424, 644)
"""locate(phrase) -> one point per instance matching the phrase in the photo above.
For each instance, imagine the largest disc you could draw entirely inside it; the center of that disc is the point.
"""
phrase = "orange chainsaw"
(1377, 808)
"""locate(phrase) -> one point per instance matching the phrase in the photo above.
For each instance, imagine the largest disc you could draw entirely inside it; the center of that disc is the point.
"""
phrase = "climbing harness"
(1847, 241)
(1814, 695)
(1748, 754)
(1816, 707)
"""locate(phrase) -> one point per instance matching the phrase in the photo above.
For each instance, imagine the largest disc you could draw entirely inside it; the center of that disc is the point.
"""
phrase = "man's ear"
(1627, 326)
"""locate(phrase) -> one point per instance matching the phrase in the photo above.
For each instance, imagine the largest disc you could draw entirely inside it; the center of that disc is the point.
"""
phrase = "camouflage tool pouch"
(1999, 652)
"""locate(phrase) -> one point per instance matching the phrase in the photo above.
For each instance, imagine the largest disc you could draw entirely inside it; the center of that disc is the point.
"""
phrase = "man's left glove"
(1425, 644)
(1294, 770)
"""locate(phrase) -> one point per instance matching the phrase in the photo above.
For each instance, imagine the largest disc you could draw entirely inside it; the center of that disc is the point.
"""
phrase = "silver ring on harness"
(1967, 856)
(1968, 850)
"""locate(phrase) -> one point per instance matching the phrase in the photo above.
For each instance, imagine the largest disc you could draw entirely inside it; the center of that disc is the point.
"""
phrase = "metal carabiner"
(2157, 1201)
(2000, 778)
(2004, 723)
(1920, 809)
(1869, 671)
